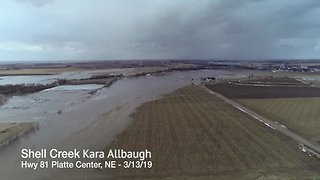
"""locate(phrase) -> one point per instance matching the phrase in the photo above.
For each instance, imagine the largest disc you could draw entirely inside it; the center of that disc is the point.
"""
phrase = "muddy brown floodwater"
(73, 118)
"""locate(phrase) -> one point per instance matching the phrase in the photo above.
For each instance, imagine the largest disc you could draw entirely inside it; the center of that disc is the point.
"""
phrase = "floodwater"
(46, 79)
(71, 117)
(75, 87)
(311, 78)
(43, 79)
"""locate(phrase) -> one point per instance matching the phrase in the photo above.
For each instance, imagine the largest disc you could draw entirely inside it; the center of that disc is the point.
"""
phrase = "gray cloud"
(237, 30)
(38, 3)
(123, 29)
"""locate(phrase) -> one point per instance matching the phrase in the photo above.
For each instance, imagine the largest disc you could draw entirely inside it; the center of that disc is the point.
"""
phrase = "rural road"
(271, 124)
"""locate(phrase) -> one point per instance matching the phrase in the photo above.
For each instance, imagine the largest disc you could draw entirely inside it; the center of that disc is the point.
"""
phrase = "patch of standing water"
(43, 79)
(314, 78)
(87, 87)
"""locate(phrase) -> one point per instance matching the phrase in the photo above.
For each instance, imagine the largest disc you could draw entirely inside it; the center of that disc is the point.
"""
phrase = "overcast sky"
(143, 29)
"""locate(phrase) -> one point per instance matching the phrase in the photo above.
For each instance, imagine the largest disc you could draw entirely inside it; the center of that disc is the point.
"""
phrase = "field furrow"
(192, 133)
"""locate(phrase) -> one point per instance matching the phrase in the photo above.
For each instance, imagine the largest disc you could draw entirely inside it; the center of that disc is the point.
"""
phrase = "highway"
(315, 148)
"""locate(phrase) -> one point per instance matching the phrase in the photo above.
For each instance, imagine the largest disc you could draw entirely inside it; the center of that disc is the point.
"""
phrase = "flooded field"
(72, 117)
(46, 79)
(43, 79)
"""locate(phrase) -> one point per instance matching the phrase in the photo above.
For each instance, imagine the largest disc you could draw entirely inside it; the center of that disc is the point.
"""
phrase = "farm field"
(274, 80)
(299, 114)
(245, 91)
(313, 82)
(284, 100)
(193, 134)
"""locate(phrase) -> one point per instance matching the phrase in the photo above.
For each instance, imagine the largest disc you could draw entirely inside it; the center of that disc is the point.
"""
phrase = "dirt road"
(268, 122)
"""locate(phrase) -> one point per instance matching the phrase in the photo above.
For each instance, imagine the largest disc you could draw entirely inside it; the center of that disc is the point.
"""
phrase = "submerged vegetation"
(3, 99)
(9, 132)
(20, 89)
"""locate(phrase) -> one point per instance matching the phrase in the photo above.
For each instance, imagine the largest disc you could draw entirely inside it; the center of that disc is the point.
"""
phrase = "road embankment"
(268, 122)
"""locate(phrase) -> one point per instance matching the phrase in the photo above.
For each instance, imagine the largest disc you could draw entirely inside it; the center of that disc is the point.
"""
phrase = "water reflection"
(65, 113)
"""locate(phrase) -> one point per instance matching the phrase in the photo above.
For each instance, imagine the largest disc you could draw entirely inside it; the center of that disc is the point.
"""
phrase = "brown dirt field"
(194, 135)
(275, 80)
(236, 91)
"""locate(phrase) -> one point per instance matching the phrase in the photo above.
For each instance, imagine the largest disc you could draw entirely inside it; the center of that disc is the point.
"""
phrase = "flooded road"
(71, 117)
